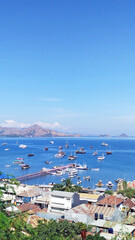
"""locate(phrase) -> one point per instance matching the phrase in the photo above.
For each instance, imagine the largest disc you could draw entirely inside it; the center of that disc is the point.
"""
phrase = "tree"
(67, 186)
(95, 237)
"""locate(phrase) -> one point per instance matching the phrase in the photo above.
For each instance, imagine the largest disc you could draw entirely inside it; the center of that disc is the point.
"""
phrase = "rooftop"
(89, 196)
(62, 194)
(27, 207)
(111, 201)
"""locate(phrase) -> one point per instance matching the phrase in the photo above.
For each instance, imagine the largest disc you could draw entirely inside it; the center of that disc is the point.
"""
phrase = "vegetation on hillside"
(67, 186)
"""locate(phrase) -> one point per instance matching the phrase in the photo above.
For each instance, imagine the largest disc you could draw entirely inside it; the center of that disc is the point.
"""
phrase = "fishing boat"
(60, 147)
(7, 165)
(91, 147)
(99, 184)
(60, 154)
(48, 162)
(52, 142)
(7, 149)
(25, 166)
(109, 184)
(30, 155)
(66, 146)
(18, 161)
(18, 158)
(46, 148)
(80, 151)
(108, 152)
(101, 157)
(71, 157)
(88, 178)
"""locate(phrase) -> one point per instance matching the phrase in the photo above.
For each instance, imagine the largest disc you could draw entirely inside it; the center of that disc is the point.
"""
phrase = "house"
(63, 201)
(28, 195)
(91, 198)
(43, 201)
(110, 201)
(29, 208)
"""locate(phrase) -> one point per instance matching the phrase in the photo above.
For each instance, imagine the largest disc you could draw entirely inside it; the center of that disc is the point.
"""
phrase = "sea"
(119, 164)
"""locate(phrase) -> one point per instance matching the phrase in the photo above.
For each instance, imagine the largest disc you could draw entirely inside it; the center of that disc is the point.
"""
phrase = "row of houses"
(106, 214)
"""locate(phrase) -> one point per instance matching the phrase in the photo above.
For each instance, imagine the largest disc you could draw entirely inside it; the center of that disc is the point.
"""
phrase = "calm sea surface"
(120, 164)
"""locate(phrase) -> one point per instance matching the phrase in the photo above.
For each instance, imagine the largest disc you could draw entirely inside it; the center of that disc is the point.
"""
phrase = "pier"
(42, 173)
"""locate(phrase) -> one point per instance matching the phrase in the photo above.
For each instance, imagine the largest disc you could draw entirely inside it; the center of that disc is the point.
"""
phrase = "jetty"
(42, 172)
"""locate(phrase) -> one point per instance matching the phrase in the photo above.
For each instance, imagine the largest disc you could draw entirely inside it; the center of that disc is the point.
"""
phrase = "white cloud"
(13, 123)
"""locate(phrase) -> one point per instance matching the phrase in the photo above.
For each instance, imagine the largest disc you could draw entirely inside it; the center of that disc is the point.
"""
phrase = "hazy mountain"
(32, 131)
(123, 135)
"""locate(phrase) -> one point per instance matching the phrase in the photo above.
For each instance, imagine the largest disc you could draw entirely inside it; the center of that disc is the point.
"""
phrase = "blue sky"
(68, 65)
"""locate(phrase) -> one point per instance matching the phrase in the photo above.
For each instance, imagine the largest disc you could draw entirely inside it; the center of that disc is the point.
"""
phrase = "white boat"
(88, 178)
(7, 149)
(52, 142)
(7, 165)
(105, 144)
(58, 155)
(94, 169)
(79, 182)
(71, 157)
(101, 157)
(18, 162)
(95, 153)
(22, 146)
(82, 167)
(3, 144)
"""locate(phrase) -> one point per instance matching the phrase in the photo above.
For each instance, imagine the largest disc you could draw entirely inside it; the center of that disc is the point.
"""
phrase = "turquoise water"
(121, 164)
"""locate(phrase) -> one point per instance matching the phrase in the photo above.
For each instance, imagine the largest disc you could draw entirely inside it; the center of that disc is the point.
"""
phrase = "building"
(110, 201)
(91, 198)
(63, 201)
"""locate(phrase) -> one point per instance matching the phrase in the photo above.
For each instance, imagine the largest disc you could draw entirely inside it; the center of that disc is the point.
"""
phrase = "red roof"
(27, 207)
(129, 203)
(110, 201)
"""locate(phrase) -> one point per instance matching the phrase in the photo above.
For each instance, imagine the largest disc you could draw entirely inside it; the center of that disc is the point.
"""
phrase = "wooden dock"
(42, 173)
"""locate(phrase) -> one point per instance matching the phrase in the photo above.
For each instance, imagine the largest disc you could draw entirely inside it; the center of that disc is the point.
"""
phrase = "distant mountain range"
(32, 131)
(38, 131)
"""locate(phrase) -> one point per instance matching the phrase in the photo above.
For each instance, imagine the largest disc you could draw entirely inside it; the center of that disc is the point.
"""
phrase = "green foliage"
(124, 185)
(67, 186)
(54, 230)
(110, 192)
(95, 237)
(129, 192)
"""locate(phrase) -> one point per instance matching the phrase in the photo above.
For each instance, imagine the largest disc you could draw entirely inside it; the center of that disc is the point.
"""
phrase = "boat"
(105, 144)
(78, 177)
(66, 146)
(80, 151)
(7, 165)
(95, 153)
(99, 184)
(79, 182)
(81, 167)
(63, 179)
(18, 158)
(71, 157)
(91, 147)
(60, 147)
(59, 173)
(46, 148)
(30, 155)
(60, 154)
(25, 166)
(7, 149)
(108, 152)
(18, 161)
(53, 173)
(48, 162)
(52, 142)
(88, 178)
(101, 157)
(44, 169)
(3, 144)
(109, 184)
(94, 169)
(22, 146)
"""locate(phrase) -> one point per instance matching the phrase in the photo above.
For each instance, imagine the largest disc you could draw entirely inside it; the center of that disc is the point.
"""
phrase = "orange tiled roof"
(111, 201)
(27, 207)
